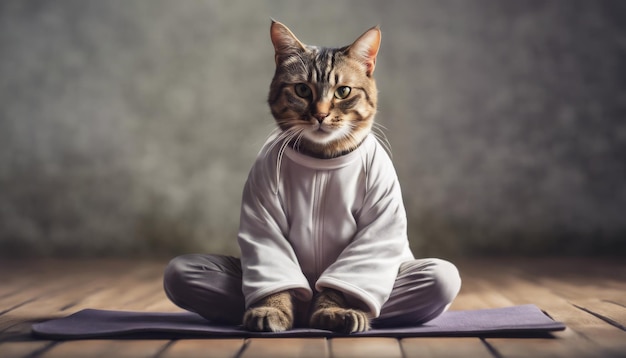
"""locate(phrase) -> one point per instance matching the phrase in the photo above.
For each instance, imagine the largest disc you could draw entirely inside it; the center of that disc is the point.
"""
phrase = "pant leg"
(423, 290)
(209, 285)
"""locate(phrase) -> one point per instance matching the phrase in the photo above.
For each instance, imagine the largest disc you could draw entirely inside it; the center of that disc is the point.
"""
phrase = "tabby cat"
(324, 102)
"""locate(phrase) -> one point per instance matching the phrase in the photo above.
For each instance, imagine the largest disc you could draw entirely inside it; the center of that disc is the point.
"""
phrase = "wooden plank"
(192, 348)
(14, 285)
(618, 300)
(564, 345)
(139, 286)
(365, 347)
(22, 349)
(45, 304)
(162, 304)
(68, 287)
(577, 277)
(585, 333)
(285, 347)
(474, 296)
(127, 294)
(97, 285)
(609, 312)
(106, 348)
(36, 290)
(42, 289)
(595, 289)
(541, 347)
(444, 347)
(47, 278)
(583, 287)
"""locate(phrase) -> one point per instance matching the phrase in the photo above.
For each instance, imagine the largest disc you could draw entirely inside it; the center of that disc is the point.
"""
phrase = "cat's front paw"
(344, 320)
(273, 313)
(333, 313)
(266, 319)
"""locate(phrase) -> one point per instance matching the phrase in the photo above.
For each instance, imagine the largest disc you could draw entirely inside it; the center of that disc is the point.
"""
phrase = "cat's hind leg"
(423, 290)
(209, 285)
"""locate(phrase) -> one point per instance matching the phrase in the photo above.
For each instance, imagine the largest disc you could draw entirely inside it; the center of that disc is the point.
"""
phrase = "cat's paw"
(273, 313)
(344, 320)
(266, 319)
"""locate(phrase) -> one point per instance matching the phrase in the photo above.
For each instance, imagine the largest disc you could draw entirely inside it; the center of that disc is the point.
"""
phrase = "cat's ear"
(285, 42)
(365, 49)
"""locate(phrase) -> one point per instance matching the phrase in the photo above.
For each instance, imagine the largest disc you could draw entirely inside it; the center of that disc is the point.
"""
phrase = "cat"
(323, 101)
(323, 229)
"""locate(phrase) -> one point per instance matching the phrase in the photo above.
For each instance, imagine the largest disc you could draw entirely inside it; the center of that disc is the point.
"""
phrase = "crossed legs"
(210, 285)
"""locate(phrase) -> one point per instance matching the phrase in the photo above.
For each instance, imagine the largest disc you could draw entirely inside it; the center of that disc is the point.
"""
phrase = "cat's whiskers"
(284, 138)
(379, 132)
(273, 135)
(298, 141)
(280, 136)
(275, 141)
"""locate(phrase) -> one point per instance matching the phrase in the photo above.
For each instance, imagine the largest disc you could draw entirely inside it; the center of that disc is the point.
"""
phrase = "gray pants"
(210, 285)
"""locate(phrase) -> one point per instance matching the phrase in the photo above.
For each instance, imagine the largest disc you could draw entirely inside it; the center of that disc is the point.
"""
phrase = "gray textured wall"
(128, 127)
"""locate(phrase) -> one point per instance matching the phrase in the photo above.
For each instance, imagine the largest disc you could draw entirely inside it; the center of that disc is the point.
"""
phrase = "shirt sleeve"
(268, 260)
(367, 268)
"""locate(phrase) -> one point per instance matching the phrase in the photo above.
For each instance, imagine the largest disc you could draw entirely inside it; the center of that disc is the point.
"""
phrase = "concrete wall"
(128, 127)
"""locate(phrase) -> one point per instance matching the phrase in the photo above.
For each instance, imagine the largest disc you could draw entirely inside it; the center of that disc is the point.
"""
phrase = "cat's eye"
(303, 90)
(342, 92)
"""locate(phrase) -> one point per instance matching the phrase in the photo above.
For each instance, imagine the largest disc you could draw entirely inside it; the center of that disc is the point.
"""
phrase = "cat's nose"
(320, 116)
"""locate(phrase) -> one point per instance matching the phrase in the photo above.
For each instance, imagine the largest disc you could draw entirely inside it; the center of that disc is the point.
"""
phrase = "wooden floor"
(588, 295)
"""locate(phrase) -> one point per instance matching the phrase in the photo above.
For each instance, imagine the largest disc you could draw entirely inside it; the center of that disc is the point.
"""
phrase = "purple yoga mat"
(91, 323)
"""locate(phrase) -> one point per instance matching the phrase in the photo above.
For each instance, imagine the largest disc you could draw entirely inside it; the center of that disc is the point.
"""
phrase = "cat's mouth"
(321, 129)
(322, 133)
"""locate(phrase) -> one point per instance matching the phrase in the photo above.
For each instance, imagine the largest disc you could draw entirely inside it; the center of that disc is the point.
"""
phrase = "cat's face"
(324, 100)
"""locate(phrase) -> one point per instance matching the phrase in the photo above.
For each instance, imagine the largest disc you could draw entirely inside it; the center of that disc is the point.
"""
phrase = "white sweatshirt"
(337, 223)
